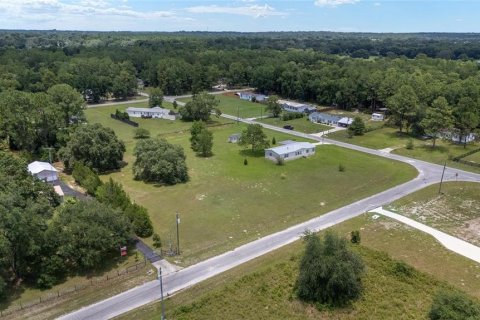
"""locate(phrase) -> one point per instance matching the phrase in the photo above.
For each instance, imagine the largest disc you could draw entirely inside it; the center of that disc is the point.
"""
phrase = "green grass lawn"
(233, 105)
(226, 203)
(475, 158)
(443, 151)
(390, 138)
(377, 139)
(264, 288)
(301, 124)
(455, 211)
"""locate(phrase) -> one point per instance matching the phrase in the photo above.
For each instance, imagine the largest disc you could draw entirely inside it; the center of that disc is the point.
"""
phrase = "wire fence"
(68, 291)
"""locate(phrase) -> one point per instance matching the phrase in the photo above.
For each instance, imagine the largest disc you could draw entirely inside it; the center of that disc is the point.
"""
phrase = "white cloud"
(252, 10)
(333, 3)
(43, 9)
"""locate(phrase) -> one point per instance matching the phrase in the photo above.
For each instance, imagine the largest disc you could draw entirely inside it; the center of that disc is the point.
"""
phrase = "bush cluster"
(292, 115)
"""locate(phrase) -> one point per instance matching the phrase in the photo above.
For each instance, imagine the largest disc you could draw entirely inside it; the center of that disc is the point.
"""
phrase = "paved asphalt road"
(428, 174)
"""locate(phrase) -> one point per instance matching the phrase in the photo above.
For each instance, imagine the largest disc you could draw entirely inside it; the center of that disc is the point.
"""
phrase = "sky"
(243, 15)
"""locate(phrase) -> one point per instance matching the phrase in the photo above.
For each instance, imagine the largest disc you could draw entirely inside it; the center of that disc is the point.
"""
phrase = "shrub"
(329, 272)
(85, 177)
(401, 269)
(341, 167)
(138, 215)
(274, 141)
(157, 242)
(409, 144)
(292, 115)
(357, 127)
(245, 162)
(280, 162)
(449, 305)
(141, 133)
(355, 236)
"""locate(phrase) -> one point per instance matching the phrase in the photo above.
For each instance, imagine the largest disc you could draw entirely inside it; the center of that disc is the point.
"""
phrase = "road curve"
(428, 174)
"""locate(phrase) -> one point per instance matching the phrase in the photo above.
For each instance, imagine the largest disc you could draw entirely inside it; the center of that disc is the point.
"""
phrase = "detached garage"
(43, 171)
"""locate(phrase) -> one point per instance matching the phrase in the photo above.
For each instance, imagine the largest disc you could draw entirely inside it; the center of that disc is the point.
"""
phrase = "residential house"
(285, 142)
(155, 112)
(250, 96)
(325, 118)
(345, 122)
(234, 138)
(43, 171)
(457, 138)
(378, 117)
(292, 106)
(290, 151)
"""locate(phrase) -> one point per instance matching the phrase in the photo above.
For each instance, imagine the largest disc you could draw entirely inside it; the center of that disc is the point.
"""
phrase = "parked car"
(287, 126)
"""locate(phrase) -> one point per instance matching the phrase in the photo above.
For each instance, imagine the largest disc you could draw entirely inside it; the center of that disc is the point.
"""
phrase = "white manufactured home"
(290, 151)
(43, 171)
(292, 106)
(156, 112)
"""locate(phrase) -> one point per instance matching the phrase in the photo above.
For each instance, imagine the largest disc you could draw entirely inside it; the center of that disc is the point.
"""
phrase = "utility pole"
(161, 293)
(178, 235)
(441, 180)
(238, 114)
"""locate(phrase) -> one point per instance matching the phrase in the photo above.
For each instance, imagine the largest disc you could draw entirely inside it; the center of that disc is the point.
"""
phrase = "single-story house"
(250, 96)
(378, 117)
(292, 106)
(155, 112)
(457, 138)
(43, 171)
(345, 122)
(234, 137)
(290, 151)
(325, 118)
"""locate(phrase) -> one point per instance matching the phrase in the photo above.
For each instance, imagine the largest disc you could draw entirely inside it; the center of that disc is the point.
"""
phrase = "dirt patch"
(470, 231)
(451, 214)
(230, 94)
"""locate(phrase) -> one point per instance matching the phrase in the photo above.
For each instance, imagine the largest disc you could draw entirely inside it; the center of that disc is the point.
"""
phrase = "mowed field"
(264, 288)
(226, 203)
(388, 137)
(233, 105)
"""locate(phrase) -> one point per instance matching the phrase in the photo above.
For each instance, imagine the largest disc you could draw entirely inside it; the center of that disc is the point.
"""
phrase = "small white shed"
(378, 117)
(43, 171)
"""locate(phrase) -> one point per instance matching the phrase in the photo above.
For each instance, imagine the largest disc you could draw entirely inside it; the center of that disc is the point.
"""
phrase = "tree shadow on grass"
(252, 153)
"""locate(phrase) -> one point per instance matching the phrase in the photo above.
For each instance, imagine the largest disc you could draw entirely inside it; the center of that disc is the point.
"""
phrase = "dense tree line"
(450, 45)
(32, 121)
(42, 241)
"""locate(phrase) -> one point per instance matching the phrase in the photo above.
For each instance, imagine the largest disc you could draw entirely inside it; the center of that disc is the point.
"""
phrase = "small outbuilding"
(378, 117)
(155, 112)
(43, 171)
(290, 151)
(234, 138)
